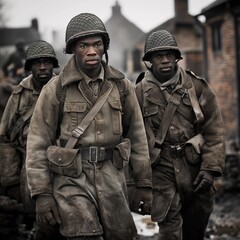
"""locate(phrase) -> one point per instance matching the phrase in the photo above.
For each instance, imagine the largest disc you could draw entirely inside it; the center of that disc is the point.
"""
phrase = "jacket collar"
(70, 73)
(149, 77)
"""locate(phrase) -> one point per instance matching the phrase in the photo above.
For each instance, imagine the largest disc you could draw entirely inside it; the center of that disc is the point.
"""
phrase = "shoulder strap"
(77, 133)
(20, 122)
(122, 91)
(194, 100)
(61, 94)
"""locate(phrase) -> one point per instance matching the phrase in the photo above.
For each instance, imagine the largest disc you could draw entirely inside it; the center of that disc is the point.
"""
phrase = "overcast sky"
(55, 14)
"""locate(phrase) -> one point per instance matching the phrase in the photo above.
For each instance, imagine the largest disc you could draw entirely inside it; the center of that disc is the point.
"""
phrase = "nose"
(91, 50)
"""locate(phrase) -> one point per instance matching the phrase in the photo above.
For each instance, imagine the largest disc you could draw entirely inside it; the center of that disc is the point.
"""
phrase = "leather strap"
(20, 122)
(77, 133)
(172, 106)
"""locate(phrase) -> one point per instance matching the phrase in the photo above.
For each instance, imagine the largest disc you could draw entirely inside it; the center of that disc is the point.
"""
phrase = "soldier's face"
(88, 53)
(163, 65)
(42, 70)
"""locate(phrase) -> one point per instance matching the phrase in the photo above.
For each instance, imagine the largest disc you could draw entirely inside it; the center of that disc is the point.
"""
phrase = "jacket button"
(59, 160)
(98, 132)
(172, 127)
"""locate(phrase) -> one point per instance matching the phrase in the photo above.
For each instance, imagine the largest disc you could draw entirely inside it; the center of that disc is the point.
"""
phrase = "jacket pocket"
(151, 110)
(116, 116)
(121, 153)
(64, 161)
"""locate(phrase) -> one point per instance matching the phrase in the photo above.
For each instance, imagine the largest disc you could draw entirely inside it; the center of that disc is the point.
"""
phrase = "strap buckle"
(178, 149)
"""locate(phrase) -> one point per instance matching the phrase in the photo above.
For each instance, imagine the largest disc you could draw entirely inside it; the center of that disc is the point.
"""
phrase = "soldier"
(87, 194)
(186, 140)
(14, 126)
(13, 67)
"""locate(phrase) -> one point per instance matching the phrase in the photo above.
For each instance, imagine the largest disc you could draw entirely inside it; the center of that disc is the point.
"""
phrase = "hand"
(142, 201)
(203, 182)
(14, 192)
(46, 209)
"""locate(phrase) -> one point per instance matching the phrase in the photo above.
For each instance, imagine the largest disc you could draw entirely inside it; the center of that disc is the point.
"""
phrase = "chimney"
(181, 7)
(34, 24)
(116, 10)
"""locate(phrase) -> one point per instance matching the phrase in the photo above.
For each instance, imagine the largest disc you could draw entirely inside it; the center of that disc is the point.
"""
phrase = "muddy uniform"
(91, 196)
(178, 164)
(14, 130)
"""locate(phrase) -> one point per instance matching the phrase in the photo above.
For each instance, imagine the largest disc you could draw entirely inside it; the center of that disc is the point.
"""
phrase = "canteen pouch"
(193, 149)
(64, 161)
(121, 153)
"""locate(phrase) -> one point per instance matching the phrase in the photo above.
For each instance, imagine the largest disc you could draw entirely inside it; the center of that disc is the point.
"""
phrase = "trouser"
(181, 214)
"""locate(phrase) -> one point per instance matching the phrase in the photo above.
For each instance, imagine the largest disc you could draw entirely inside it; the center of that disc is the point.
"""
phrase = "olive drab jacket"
(13, 133)
(184, 125)
(98, 187)
(14, 128)
(202, 140)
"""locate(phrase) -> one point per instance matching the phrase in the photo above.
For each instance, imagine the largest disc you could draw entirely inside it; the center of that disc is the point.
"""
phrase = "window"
(216, 37)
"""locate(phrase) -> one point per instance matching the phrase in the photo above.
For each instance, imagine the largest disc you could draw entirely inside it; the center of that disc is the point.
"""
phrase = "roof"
(9, 36)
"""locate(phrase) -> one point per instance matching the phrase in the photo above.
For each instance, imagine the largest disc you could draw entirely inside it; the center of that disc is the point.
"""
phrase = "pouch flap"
(124, 148)
(75, 107)
(197, 142)
(61, 156)
(116, 104)
(148, 111)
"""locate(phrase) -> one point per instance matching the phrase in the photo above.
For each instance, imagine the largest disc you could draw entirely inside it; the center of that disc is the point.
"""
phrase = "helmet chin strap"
(148, 65)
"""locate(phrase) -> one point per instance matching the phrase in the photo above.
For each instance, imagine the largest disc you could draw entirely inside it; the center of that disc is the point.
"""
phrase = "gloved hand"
(46, 209)
(142, 201)
(203, 182)
(14, 192)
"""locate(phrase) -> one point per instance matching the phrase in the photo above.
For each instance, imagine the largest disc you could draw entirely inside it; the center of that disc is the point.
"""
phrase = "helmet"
(85, 25)
(40, 49)
(160, 40)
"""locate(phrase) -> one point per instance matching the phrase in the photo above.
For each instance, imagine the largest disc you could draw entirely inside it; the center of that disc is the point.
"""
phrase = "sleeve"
(9, 153)
(42, 131)
(213, 152)
(133, 121)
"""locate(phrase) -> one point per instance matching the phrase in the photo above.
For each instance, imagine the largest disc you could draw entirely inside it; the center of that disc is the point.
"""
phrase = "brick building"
(188, 33)
(221, 61)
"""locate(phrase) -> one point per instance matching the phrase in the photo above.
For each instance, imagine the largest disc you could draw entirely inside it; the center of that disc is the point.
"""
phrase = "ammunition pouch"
(121, 153)
(64, 161)
(193, 149)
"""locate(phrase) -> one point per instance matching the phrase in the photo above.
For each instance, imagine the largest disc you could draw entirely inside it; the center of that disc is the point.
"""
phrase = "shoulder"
(17, 90)
(195, 78)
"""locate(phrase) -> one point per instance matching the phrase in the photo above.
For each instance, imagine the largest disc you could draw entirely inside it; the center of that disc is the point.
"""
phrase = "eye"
(99, 44)
(82, 45)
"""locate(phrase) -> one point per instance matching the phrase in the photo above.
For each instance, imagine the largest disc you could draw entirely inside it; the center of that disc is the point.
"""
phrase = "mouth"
(92, 61)
(166, 69)
(43, 75)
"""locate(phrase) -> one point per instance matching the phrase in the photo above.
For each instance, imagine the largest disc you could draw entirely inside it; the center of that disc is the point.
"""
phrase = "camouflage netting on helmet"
(84, 25)
(160, 40)
(40, 49)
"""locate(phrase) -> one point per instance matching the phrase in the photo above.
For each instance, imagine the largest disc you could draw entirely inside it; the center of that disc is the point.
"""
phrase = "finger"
(56, 215)
(50, 218)
(197, 181)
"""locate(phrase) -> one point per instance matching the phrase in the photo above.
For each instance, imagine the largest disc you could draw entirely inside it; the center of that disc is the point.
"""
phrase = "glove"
(203, 182)
(46, 210)
(142, 201)
(14, 192)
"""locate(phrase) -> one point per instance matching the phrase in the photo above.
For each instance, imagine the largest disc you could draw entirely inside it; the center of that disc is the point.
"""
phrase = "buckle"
(178, 149)
(96, 154)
